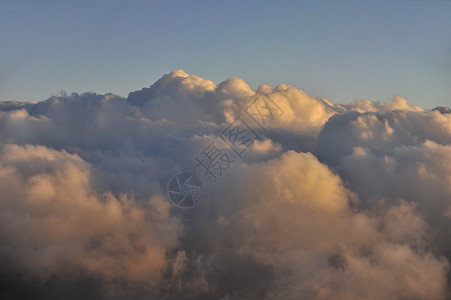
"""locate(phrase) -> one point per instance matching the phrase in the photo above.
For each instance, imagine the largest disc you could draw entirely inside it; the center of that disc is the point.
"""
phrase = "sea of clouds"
(334, 201)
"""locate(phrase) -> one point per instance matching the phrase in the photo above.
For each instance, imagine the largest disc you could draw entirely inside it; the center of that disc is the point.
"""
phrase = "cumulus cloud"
(52, 219)
(330, 201)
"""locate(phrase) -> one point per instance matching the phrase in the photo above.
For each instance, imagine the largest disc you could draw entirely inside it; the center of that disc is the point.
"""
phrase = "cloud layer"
(332, 201)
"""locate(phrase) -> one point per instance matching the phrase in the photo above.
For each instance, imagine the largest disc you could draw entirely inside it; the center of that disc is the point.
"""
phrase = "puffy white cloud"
(334, 201)
(381, 131)
(398, 103)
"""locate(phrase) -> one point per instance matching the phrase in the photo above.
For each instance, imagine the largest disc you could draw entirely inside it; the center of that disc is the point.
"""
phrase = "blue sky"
(340, 50)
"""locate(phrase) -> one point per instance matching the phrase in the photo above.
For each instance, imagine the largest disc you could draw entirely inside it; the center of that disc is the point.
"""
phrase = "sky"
(340, 50)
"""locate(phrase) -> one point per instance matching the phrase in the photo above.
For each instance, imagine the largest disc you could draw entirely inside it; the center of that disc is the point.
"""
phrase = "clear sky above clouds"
(340, 50)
